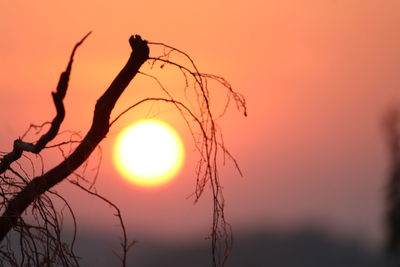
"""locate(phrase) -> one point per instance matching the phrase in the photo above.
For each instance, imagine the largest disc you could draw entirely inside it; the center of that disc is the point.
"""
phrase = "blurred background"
(318, 77)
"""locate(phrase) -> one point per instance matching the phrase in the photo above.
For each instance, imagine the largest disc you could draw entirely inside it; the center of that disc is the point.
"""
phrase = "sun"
(148, 153)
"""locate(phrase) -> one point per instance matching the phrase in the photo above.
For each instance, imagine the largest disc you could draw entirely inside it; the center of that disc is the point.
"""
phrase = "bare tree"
(31, 223)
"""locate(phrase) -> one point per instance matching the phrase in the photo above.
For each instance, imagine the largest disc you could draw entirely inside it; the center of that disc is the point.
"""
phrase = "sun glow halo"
(148, 153)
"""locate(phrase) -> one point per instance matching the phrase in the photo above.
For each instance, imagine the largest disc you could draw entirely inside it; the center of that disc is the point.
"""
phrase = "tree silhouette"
(392, 126)
(30, 225)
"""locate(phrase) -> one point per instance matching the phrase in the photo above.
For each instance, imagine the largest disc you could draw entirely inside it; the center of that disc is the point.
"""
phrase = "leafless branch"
(34, 191)
(40, 240)
(58, 97)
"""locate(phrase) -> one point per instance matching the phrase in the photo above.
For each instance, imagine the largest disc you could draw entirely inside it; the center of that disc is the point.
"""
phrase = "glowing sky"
(317, 75)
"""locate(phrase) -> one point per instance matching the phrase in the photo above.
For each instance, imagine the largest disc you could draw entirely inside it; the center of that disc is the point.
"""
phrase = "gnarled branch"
(58, 97)
(97, 131)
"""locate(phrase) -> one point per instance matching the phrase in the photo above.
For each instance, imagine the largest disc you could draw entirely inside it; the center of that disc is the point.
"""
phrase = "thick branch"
(58, 97)
(98, 130)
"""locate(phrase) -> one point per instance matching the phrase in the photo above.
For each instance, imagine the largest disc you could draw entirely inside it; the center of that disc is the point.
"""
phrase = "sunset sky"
(318, 77)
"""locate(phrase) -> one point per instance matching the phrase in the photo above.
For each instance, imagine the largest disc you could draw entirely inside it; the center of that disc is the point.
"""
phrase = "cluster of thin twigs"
(207, 137)
(39, 241)
(36, 240)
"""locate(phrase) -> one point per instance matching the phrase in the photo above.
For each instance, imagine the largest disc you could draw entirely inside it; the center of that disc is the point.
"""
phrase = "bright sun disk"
(148, 153)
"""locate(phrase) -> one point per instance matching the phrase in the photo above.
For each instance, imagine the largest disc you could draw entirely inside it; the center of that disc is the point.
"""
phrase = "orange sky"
(317, 75)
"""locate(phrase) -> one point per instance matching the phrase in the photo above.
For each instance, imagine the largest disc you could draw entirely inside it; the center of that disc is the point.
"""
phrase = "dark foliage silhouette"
(31, 223)
(392, 125)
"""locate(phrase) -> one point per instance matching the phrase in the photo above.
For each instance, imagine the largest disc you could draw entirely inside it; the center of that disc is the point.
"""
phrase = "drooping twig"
(207, 142)
(124, 241)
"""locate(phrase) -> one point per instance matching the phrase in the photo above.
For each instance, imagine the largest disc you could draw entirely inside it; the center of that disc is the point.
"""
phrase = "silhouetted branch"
(98, 130)
(124, 242)
(41, 244)
(207, 142)
(58, 97)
